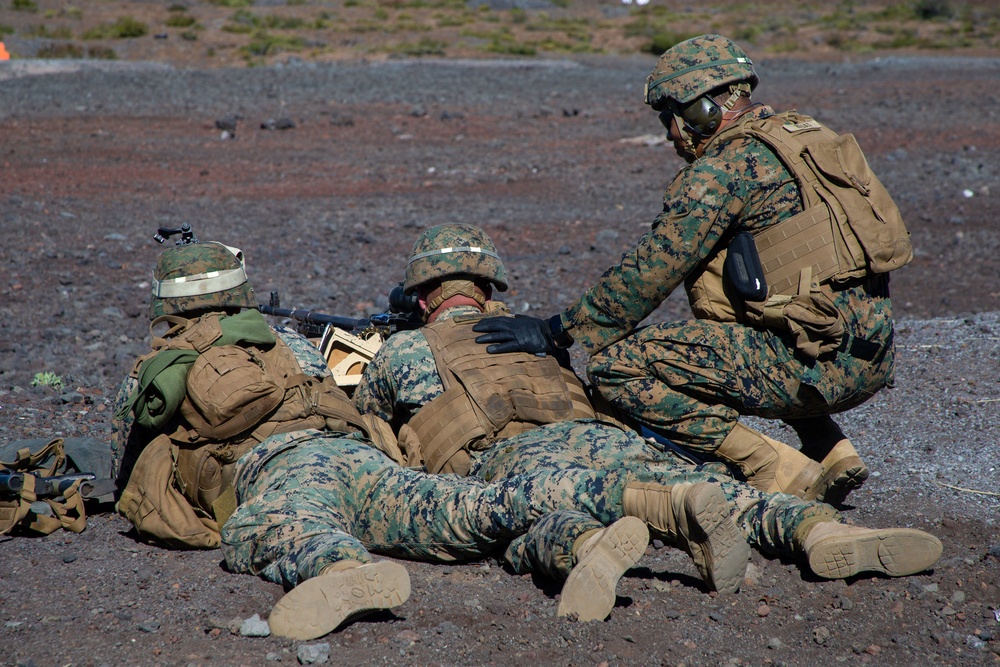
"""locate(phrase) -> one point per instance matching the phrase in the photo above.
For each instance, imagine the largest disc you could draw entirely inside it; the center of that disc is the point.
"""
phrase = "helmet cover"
(196, 276)
(696, 66)
(454, 250)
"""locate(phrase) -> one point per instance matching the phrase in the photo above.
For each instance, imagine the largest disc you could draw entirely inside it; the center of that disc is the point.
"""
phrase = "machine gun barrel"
(12, 483)
(322, 319)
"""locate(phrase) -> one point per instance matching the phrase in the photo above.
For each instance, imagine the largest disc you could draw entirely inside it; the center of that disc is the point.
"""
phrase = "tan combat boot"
(771, 466)
(602, 557)
(837, 551)
(319, 605)
(695, 518)
(823, 441)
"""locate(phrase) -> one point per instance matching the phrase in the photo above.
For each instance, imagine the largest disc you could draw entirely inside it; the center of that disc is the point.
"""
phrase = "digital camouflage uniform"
(403, 377)
(308, 499)
(691, 380)
(311, 498)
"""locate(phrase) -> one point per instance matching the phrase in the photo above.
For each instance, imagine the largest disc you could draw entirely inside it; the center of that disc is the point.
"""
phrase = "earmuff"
(703, 116)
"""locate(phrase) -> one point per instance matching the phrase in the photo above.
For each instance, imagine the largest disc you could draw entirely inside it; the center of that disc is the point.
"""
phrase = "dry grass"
(228, 32)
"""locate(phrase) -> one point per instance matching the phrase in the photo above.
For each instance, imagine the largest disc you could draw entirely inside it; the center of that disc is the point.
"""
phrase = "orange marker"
(3, 52)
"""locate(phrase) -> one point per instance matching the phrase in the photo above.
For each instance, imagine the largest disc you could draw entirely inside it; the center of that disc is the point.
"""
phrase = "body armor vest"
(488, 397)
(849, 228)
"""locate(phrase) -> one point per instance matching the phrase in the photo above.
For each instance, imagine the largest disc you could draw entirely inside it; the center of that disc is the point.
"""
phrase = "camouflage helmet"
(200, 275)
(688, 70)
(454, 250)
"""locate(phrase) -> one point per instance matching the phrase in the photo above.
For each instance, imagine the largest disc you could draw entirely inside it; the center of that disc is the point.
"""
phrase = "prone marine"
(458, 409)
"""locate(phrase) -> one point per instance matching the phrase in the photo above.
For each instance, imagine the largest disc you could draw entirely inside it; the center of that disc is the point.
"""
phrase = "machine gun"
(12, 484)
(348, 344)
(401, 315)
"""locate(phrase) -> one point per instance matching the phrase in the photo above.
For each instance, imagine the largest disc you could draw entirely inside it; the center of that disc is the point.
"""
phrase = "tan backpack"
(849, 228)
(180, 490)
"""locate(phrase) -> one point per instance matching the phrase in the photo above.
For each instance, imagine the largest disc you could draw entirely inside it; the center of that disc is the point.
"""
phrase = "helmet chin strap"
(689, 150)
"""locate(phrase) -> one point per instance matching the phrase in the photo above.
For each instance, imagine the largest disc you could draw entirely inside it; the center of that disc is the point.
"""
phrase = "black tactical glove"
(520, 333)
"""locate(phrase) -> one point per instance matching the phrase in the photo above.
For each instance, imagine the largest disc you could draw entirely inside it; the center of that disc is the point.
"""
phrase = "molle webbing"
(802, 241)
(206, 451)
(849, 227)
(808, 239)
(489, 396)
(205, 465)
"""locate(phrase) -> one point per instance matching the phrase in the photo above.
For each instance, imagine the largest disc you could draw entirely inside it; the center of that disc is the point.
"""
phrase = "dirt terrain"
(559, 160)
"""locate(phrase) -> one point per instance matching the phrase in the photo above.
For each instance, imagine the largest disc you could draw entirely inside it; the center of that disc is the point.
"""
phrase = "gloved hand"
(520, 333)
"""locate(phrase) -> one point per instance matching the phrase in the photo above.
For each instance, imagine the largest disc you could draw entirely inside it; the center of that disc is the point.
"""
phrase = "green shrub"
(242, 22)
(452, 21)
(232, 3)
(43, 31)
(424, 47)
(58, 51)
(747, 33)
(506, 45)
(6, 29)
(275, 22)
(189, 36)
(662, 41)
(266, 44)
(48, 378)
(24, 5)
(932, 9)
(125, 27)
(102, 53)
(181, 21)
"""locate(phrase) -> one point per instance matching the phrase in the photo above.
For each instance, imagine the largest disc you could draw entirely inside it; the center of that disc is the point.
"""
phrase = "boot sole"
(319, 605)
(897, 552)
(717, 546)
(840, 479)
(589, 591)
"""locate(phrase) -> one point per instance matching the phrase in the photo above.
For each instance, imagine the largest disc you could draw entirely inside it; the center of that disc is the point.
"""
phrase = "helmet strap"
(690, 148)
(736, 91)
(694, 150)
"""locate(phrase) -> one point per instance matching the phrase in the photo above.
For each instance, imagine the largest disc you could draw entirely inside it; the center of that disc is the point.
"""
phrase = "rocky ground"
(561, 163)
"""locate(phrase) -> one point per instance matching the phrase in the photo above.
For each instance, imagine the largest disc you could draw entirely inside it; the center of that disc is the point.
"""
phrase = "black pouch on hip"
(742, 270)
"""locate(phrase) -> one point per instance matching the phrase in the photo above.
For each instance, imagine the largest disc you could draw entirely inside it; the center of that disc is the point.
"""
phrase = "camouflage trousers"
(691, 381)
(308, 499)
(611, 458)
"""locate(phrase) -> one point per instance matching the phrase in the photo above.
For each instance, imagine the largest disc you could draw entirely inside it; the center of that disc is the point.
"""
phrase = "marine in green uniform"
(294, 491)
(460, 410)
(783, 238)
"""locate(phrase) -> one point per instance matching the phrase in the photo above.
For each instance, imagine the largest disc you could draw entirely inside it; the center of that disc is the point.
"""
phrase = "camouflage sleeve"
(400, 379)
(699, 206)
(376, 392)
(306, 353)
(121, 426)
